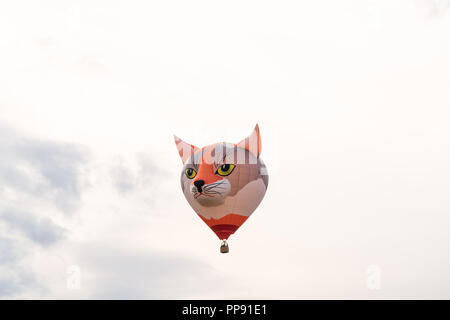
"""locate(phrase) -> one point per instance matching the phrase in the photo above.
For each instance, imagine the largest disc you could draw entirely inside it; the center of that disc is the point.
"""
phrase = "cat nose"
(199, 184)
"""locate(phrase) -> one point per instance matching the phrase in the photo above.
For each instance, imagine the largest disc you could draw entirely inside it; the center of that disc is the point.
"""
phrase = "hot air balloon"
(224, 182)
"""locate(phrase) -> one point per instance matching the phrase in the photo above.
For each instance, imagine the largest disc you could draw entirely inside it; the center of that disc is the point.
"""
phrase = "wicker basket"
(224, 247)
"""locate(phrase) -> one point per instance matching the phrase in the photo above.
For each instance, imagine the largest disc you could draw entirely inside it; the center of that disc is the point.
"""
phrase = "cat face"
(223, 178)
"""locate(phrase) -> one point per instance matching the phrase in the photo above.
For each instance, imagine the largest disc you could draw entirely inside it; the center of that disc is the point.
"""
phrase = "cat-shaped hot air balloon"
(224, 182)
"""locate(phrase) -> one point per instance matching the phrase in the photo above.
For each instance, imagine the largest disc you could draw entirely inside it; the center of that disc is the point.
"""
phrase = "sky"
(352, 99)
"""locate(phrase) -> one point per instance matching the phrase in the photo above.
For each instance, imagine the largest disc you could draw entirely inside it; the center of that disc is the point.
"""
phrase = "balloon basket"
(224, 247)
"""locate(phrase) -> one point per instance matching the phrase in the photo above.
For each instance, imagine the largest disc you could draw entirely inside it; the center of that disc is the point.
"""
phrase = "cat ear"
(253, 142)
(185, 149)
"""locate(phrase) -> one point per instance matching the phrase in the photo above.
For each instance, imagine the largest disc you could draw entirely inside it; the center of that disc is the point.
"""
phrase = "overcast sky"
(353, 103)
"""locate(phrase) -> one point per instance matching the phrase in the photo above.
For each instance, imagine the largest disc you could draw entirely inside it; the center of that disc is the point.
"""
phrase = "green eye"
(190, 173)
(225, 169)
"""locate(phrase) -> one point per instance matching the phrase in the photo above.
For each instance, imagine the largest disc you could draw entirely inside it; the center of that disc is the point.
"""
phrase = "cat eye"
(190, 173)
(225, 169)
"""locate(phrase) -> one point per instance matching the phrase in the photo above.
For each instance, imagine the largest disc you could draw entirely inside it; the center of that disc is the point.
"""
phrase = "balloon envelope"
(224, 182)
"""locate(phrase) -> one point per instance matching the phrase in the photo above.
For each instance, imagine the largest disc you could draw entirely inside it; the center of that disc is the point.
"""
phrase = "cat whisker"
(210, 188)
(216, 183)
(212, 192)
(213, 186)
(203, 194)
